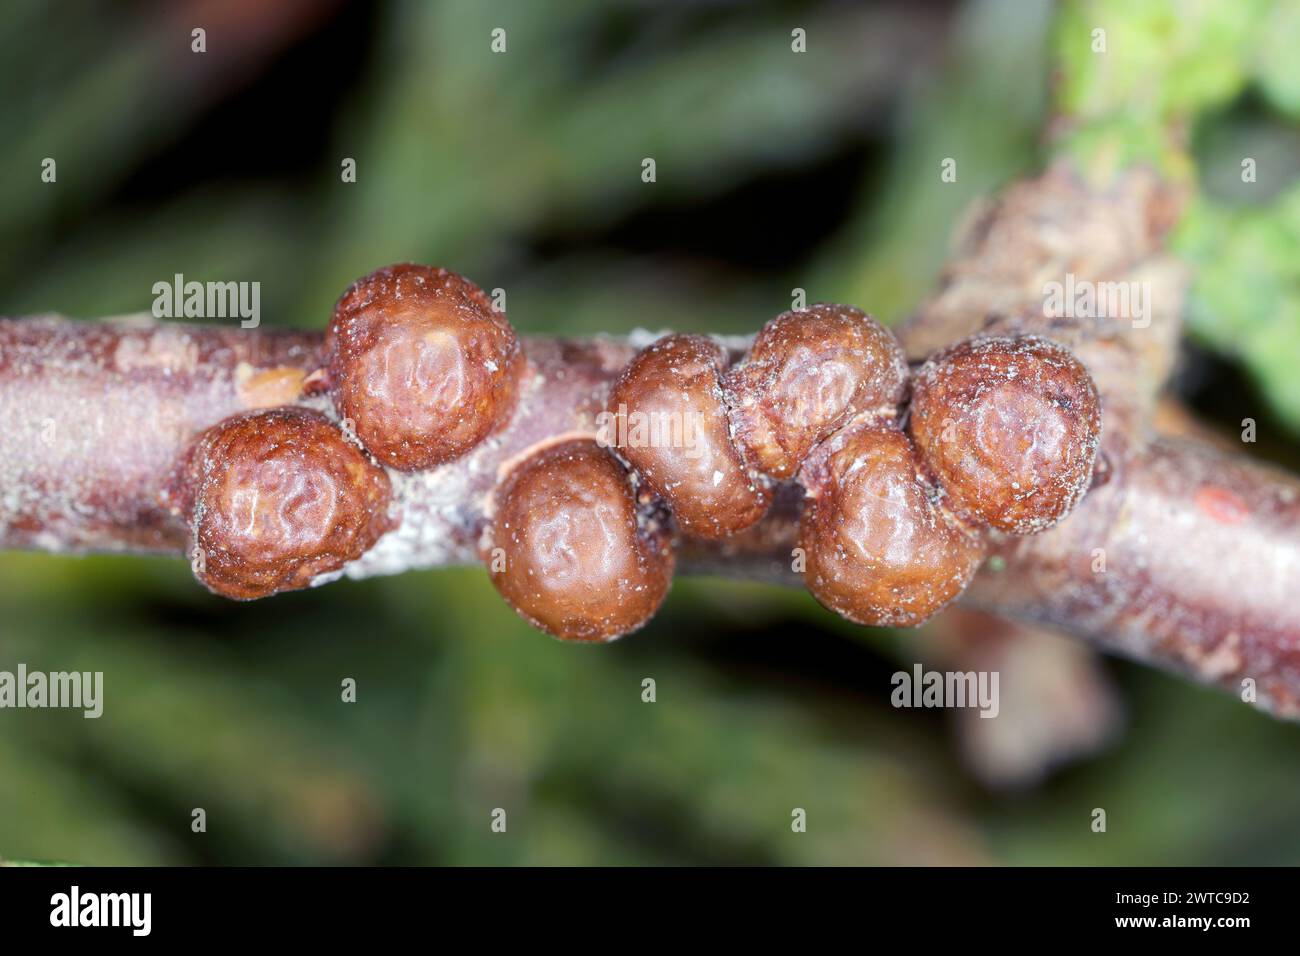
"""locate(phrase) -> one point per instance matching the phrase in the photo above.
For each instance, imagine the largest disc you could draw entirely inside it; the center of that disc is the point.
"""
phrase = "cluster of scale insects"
(907, 474)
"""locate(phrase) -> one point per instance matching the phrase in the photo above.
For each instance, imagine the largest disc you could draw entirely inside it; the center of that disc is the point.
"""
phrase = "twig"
(1179, 556)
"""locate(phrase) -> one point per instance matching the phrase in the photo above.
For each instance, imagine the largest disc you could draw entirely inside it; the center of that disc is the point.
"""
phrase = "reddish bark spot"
(1222, 505)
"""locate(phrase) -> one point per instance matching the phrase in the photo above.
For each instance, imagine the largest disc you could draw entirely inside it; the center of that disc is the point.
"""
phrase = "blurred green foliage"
(1222, 69)
(774, 170)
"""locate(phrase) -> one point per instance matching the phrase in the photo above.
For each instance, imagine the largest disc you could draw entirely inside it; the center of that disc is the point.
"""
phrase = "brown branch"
(1200, 550)
(1179, 555)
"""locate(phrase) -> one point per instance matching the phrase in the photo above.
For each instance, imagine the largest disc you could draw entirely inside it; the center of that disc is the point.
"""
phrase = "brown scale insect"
(1005, 433)
(672, 426)
(878, 550)
(276, 498)
(1009, 427)
(569, 550)
(421, 364)
(807, 373)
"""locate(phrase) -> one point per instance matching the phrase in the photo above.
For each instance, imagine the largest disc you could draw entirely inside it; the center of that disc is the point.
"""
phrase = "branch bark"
(1179, 556)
